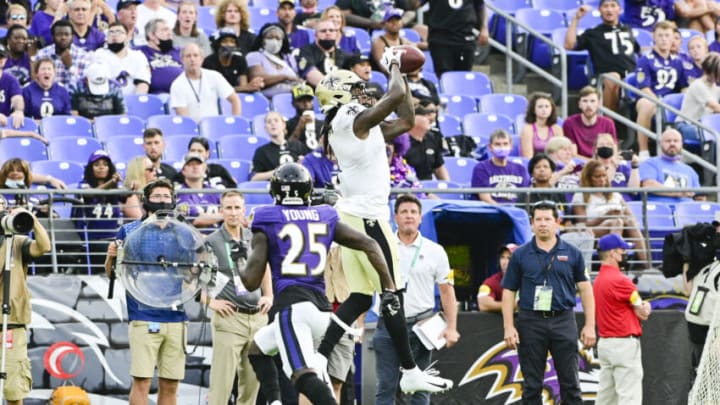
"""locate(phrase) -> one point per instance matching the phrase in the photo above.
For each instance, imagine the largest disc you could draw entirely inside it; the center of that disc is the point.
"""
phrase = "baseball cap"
(510, 247)
(98, 77)
(605, 1)
(222, 33)
(193, 156)
(280, 3)
(613, 241)
(97, 155)
(392, 13)
(302, 90)
(125, 3)
(355, 59)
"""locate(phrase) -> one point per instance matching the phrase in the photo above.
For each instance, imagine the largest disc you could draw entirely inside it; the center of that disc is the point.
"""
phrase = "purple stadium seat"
(690, 213)
(361, 35)
(502, 103)
(483, 124)
(144, 105)
(256, 198)
(239, 169)
(241, 147)
(450, 125)
(442, 184)
(543, 21)
(113, 125)
(497, 23)
(29, 149)
(124, 148)
(172, 125)
(216, 127)
(65, 125)
(472, 84)
(177, 146)
(252, 105)
(70, 172)
(74, 149)
(460, 169)
(458, 105)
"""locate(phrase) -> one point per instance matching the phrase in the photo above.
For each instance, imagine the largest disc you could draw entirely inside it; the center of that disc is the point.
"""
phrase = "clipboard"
(430, 330)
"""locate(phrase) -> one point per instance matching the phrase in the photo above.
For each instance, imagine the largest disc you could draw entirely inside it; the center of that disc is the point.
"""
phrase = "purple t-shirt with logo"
(194, 204)
(93, 39)
(164, 68)
(20, 68)
(315, 225)
(9, 87)
(41, 103)
(504, 178)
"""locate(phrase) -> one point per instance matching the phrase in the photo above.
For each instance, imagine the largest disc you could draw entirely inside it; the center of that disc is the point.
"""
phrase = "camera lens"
(21, 222)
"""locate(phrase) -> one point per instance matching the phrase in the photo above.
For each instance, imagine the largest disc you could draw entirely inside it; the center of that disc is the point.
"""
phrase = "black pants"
(559, 335)
(446, 58)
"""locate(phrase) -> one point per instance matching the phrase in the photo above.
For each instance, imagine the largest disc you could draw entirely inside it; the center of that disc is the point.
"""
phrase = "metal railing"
(659, 119)
(510, 55)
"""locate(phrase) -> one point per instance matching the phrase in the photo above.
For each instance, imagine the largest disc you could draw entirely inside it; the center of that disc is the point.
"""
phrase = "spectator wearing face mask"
(271, 60)
(319, 58)
(163, 57)
(500, 173)
(128, 67)
(227, 59)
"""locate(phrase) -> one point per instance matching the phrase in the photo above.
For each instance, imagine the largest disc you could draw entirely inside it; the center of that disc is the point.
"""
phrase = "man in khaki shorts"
(157, 336)
(17, 364)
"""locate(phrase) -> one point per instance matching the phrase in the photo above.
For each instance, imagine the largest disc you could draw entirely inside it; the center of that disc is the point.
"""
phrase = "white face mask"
(272, 46)
(14, 183)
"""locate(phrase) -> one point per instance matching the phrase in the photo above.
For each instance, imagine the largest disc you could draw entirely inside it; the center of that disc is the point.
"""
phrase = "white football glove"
(391, 55)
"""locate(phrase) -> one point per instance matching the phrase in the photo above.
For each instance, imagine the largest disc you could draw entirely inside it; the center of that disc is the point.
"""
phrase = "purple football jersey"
(164, 68)
(93, 39)
(194, 204)
(299, 238)
(647, 13)
(9, 87)
(40, 103)
(20, 68)
(662, 75)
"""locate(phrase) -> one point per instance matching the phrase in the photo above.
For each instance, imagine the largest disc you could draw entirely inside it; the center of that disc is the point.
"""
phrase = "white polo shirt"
(200, 97)
(423, 263)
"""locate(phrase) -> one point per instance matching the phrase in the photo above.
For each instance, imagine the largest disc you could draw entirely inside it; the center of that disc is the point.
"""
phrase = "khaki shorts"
(341, 358)
(17, 364)
(165, 349)
(359, 272)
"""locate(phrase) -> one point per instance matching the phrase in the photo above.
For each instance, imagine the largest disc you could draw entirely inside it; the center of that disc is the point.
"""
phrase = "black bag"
(694, 244)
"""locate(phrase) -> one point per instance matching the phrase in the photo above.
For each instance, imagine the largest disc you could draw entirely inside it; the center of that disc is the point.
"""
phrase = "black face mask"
(153, 207)
(226, 51)
(605, 152)
(116, 47)
(326, 44)
(623, 263)
(165, 45)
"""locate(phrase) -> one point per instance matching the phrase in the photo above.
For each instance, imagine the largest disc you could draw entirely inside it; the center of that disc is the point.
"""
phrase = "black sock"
(267, 374)
(397, 329)
(314, 389)
(348, 312)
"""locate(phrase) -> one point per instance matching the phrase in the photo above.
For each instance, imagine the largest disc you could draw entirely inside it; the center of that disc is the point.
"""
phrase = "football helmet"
(291, 184)
(335, 89)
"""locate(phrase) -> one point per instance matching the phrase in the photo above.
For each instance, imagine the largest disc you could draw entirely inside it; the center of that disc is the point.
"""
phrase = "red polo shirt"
(491, 286)
(614, 297)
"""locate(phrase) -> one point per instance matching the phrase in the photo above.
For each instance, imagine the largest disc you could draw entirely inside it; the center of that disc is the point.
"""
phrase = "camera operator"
(17, 364)
(156, 336)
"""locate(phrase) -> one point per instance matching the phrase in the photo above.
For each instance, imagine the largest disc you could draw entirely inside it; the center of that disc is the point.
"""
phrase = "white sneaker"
(414, 380)
(275, 403)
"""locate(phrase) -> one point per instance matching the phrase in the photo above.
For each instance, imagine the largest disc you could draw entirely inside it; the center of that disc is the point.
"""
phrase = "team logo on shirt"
(503, 365)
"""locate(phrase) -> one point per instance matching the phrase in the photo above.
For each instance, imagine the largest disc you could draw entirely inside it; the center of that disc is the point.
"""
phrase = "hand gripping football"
(411, 58)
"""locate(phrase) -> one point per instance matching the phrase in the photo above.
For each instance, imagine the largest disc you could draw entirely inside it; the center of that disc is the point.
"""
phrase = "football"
(412, 58)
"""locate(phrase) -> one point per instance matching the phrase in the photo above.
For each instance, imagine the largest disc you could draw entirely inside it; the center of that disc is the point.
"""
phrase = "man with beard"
(43, 97)
(163, 57)
(584, 127)
(70, 60)
(154, 146)
(128, 67)
(668, 171)
(317, 59)
(18, 62)
(612, 46)
(286, 15)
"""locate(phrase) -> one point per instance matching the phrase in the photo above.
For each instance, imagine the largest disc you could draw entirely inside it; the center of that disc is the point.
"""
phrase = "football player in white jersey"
(357, 128)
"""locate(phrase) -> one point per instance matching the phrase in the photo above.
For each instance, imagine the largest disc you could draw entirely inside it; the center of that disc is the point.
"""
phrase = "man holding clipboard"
(422, 263)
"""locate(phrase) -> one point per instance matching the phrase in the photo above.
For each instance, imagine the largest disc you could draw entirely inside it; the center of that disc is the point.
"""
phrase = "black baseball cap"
(125, 3)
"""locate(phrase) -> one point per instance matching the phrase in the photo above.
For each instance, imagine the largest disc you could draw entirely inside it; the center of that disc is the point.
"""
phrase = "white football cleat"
(415, 380)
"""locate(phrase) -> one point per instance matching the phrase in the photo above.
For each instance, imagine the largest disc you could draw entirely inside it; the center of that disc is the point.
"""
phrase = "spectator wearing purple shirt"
(658, 73)
(286, 15)
(201, 208)
(84, 35)
(18, 62)
(12, 105)
(500, 173)
(70, 60)
(43, 96)
(164, 59)
(43, 20)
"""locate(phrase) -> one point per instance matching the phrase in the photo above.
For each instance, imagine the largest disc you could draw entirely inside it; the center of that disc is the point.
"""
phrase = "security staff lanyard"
(414, 259)
(199, 90)
(543, 293)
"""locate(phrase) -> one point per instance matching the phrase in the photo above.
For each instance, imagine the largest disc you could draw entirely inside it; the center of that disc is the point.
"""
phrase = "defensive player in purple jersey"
(294, 238)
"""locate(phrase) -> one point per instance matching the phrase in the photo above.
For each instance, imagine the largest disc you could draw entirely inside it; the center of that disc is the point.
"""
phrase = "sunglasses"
(18, 17)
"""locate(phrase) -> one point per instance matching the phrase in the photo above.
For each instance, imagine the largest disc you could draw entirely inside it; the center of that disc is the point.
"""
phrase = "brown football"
(412, 58)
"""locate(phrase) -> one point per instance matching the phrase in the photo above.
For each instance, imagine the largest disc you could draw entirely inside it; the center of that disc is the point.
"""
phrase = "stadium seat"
(502, 103)
(362, 37)
(450, 125)
(460, 169)
(28, 125)
(258, 124)
(29, 149)
(379, 78)
(74, 149)
(177, 146)
(497, 24)
(442, 184)
(458, 105)
(124, 148)
(407, 33)
(643, 37)
(590, 20)
(65, 125)
(631, 80)
(70, 172)
(282, 103)
(206, 18)
(260, 16)
(112, 125)
(660, 219)
(428, 66)
(252, 105)
(172, 125)
(256, 198)
(519, 160)
(239, 169)
(692, 212)
(472, 84)
(430, 76)
(483, 124)
(711, 121)
(557, 5)
(579, 65)
(216, 127)
(241, 147)
(686, 34)
(144, 105)
(543, 21)
(674, 100)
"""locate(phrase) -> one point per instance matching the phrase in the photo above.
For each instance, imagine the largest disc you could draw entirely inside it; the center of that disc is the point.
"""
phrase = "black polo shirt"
(271, 155)
(425, 156)
(311, 55)
(528, 268)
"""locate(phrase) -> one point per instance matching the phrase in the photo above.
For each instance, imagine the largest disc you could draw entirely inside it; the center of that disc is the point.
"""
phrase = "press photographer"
(14, 224)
